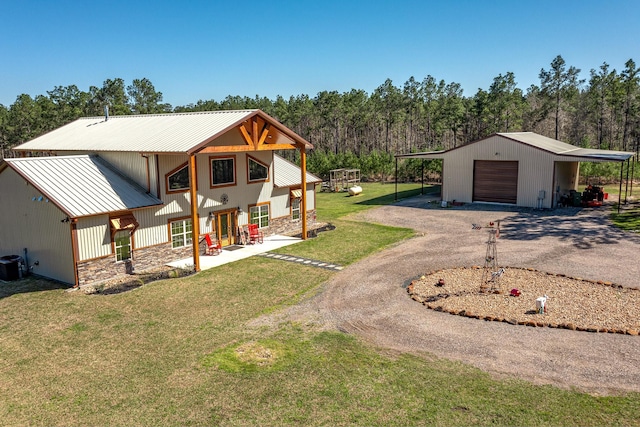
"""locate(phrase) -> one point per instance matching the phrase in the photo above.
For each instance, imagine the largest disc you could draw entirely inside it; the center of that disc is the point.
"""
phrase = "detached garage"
(518, 168)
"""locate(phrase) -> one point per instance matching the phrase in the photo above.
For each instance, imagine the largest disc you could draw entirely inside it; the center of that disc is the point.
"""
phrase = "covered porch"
(234, 253)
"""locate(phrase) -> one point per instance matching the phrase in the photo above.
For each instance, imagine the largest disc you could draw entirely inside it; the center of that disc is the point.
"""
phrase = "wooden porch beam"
(264, 135)
(245, 148)
(254, 133)
(303, 170)
(195, 230)
(245, 135)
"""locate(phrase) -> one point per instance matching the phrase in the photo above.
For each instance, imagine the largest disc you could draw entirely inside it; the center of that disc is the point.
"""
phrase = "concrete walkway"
(237, 252)
(304, 261)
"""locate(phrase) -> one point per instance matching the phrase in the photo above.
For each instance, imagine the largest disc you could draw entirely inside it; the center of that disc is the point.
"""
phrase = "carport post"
(395, 197)
(620, 189)
(422, 178)
(626, 188)
(633, 168)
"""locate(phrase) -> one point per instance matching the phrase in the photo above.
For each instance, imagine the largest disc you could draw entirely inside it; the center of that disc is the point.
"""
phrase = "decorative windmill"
(491, 274)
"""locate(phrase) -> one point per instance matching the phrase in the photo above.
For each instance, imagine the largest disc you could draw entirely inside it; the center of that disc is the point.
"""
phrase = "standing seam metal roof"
(286, 174)
(538, 141)
(82, 185)
(562, 148)
(153, 133)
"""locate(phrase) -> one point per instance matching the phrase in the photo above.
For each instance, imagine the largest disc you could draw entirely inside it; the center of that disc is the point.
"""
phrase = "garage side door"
(495, 181)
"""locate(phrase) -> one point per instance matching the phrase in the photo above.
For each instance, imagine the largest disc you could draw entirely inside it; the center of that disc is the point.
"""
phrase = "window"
(223, 171)
(181, 233)
(295, 209)
(178, 179)
(122, 245)
(259, 215)
(257, 171)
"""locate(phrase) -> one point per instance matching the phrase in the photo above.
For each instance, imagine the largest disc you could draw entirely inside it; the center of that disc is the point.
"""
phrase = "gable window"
(223, 171)
(259, 215)
(258, 171)
(295, 209)
(122, 245)
(181, 233)
(178, 179)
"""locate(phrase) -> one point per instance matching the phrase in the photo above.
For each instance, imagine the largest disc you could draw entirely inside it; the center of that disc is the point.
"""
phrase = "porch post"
(303, 202)
(195, 231)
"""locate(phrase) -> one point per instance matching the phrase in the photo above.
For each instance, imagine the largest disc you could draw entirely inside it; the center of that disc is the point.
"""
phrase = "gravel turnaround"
(369, 298)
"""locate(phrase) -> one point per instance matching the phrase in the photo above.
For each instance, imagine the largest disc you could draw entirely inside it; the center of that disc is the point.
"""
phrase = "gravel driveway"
(369, 298)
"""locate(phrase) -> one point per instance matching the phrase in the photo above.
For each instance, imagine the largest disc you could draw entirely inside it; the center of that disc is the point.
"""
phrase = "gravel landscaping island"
(573, 303)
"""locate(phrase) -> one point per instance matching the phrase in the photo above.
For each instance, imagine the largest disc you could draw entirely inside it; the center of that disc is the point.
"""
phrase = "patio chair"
(255, 235)
(212, 248)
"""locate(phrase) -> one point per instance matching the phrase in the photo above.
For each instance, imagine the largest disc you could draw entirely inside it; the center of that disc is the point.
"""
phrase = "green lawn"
(180, 352)
(628, 218)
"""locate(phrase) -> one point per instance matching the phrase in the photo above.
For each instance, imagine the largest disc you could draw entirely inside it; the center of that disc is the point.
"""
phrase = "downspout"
(195, 232)
(148, 173)
(74, 251)
(303, 169)
(157, 164)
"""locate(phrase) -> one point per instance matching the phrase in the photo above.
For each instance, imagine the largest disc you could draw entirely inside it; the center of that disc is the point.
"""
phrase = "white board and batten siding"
(141, 168)
(37, 225)
(566, 176)
(132, 165)
(94, 237)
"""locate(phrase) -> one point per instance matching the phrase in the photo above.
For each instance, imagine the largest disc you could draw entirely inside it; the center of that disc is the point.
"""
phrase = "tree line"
(358, 129)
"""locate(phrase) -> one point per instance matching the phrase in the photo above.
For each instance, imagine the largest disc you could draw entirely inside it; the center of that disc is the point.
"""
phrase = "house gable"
(31, 222)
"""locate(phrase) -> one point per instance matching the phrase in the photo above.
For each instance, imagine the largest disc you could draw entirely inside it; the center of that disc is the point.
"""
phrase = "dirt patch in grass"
(573, 303)
(256, 353)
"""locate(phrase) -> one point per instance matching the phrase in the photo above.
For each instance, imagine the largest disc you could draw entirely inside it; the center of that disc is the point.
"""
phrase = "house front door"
(225, 222)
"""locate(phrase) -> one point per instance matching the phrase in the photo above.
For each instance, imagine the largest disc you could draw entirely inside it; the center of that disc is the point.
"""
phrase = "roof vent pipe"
(106, 113)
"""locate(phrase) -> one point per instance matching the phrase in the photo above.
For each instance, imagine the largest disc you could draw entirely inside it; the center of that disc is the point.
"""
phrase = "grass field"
(179, 352)
(628, 218)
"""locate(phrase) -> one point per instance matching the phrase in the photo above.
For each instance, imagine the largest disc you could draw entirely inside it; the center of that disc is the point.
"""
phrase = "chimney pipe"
(106, 113)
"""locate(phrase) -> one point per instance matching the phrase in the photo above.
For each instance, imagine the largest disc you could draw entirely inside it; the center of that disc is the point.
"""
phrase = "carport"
(518, 168)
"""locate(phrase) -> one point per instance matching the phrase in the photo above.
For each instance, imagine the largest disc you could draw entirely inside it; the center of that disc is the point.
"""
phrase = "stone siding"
(285, 226)
(102, 269)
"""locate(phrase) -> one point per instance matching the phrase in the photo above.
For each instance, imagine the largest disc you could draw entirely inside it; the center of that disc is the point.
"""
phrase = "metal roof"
(542, 142)
(422, 155)
(563, 149)
(287, 174)
(151, 133)
(82, 185)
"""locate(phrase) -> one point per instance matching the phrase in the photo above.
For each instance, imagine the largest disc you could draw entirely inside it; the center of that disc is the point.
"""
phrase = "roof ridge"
(181, 113)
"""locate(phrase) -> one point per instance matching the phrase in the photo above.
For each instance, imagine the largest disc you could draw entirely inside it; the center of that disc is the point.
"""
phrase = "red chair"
(255, 235)
(212, 248)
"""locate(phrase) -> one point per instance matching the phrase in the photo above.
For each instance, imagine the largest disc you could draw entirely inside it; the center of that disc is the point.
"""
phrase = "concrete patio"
(237, 252)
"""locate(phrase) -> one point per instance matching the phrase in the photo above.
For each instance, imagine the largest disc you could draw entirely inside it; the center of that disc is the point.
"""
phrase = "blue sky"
(192, 50)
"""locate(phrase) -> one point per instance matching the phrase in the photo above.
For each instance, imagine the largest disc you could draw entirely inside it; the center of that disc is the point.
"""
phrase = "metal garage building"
(519, 168)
